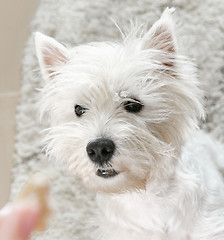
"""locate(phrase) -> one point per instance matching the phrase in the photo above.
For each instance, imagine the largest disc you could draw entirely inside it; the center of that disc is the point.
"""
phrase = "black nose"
(100, 151)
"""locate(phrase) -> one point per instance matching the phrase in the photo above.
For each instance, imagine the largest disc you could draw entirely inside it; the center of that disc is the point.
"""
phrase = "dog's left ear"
(51, 55)
(161, 36)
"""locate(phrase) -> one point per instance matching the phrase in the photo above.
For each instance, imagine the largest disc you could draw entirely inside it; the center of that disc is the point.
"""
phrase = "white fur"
(169, 186)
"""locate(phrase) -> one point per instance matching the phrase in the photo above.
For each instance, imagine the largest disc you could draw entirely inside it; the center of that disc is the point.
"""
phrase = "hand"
(18, 221)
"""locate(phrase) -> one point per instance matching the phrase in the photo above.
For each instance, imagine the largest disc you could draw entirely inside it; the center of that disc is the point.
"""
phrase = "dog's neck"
(151, 209)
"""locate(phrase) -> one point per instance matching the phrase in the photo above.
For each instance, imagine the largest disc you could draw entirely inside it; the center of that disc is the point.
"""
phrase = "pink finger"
(17, 222)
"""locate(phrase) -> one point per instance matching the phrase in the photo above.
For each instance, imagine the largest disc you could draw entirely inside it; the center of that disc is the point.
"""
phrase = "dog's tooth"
(106, 173)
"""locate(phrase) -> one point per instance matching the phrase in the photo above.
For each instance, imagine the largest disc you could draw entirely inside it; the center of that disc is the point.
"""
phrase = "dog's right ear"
(52, 55)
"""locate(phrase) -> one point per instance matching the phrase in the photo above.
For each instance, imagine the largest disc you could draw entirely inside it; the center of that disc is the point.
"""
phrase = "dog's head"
(119, 113)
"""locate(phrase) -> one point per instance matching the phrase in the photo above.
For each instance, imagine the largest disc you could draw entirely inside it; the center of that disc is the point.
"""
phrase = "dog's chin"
(112, 181)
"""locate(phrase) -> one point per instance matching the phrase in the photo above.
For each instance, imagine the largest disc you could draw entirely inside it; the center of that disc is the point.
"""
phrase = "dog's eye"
(134, 106)
(79, 110)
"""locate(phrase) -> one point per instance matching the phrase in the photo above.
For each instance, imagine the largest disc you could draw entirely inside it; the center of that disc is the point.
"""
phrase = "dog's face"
(119, 113)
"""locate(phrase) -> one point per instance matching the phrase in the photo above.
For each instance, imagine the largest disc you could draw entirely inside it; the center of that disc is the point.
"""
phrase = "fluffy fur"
(169, 186)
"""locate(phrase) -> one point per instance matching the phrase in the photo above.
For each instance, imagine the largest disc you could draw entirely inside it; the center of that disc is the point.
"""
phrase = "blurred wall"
(15, 17)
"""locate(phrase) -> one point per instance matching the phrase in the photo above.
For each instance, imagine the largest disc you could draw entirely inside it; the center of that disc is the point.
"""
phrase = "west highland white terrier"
(124, 117)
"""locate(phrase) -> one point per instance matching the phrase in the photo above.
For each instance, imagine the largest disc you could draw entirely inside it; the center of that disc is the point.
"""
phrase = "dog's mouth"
(106, 173)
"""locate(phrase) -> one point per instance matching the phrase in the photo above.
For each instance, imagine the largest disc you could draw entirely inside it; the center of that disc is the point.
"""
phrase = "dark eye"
(79, 110)
(134, 106)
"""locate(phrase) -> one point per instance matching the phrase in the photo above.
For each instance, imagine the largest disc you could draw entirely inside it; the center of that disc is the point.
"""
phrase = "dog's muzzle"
(100, 151)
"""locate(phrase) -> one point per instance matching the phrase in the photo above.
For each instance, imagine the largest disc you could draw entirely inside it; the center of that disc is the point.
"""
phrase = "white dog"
(122, 118)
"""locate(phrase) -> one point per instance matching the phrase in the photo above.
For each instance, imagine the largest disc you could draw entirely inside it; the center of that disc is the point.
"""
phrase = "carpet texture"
(201, 28)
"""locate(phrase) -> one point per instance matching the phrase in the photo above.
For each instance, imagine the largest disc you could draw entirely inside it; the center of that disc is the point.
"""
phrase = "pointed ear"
(51, 55)
(161, 35)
